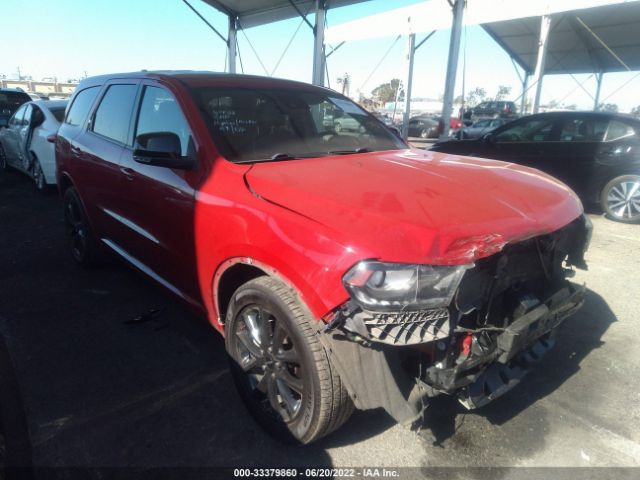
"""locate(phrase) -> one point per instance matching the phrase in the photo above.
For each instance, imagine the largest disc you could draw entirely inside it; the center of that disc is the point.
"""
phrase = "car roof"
(587, 113)
(52, 103)
(193, 78)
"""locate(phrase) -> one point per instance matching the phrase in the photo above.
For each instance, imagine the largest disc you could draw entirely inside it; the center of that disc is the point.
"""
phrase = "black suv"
(492, 109)
(10, 100)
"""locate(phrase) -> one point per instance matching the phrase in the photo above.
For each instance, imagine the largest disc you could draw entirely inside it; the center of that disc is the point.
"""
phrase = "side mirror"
(161, 149)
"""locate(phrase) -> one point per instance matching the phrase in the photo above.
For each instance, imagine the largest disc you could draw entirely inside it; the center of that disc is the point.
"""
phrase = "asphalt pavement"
(113, 372)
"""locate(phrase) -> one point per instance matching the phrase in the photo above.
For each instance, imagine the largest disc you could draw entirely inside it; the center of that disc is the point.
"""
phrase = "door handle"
(128, 173)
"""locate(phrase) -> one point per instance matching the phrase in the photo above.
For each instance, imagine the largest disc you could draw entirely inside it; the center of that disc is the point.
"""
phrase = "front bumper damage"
(503, 320)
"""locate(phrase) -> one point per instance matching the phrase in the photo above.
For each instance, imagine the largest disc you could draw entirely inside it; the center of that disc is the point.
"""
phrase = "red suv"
(342, 267)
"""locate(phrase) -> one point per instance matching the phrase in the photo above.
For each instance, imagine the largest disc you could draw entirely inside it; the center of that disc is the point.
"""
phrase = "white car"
(23, 142)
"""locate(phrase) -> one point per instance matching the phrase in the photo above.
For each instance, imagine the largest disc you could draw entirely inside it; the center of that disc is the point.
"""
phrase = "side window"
(77, 114)
(16, 120)
(113, 115)
(531, 131)
(160, 112)
(582, 130)
(618, 130)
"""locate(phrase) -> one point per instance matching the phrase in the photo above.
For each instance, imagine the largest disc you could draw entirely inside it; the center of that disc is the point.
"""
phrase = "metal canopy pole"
(407, 94)
(452, 65)
(232, 43)
(545, 28)
(596, 99)
(523, 97)
(318, 47)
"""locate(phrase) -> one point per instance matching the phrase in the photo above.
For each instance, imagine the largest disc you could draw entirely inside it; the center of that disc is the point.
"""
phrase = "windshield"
(10, 101)
(250, 125)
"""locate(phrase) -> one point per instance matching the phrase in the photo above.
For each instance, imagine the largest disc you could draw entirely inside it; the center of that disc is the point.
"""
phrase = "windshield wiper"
(348, 152)
(274, 158)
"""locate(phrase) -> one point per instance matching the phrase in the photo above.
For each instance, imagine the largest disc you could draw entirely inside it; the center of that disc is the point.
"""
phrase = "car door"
(158, 202)
(33, 117)
(10, 136)
(98, 150)
(571, 158)
(526, 142)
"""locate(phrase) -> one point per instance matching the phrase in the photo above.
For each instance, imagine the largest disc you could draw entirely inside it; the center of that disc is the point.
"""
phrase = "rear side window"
(58, 113)
(81, 105)
(114, 112)
(618, 130)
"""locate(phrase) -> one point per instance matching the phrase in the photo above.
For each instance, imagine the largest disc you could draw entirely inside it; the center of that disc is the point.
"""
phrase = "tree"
(503, 92)
(387, 92)
(608, 107)
(635, 111)
(476, 96)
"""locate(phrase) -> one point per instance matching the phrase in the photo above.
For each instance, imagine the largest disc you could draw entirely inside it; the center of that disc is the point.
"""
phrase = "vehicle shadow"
(579, 335)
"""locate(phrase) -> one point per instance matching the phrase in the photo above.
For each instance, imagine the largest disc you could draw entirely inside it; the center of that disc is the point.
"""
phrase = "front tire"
(84, 247)
(281, 370)
(620, 199)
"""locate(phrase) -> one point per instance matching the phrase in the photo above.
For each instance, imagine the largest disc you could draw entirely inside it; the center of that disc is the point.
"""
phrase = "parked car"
(492, 109)
(424, 126)
(24, 144)
(341, 269)
(478, 129)
(10, 100)
(349, 123)
(597, 154)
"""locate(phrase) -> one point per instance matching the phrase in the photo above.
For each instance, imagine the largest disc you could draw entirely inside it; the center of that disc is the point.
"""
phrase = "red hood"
(419, 206)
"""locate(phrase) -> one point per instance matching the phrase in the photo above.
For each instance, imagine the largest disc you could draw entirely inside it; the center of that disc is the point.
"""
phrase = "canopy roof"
(252, 13)
(579, 32)
(573, 45)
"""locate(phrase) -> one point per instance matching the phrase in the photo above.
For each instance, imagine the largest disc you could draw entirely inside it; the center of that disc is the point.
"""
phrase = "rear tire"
(84, 247)
(620, 199)
(3, 160)
(38, 176)
(281, 370)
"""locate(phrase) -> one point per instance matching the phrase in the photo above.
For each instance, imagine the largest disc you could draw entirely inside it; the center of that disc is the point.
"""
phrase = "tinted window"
(16, 120)
(582, 130)
(618, 130)
(81, 105)
(159, 112)
(114, 112)
(10, 101)
(532, 131)
(58, 113)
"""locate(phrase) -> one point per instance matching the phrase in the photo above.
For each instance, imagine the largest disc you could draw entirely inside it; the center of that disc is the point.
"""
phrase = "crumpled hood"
(419, 206)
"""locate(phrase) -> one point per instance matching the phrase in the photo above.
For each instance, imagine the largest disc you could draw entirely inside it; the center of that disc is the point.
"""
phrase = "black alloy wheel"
(84, 248)
(281, 370)
(3, 160)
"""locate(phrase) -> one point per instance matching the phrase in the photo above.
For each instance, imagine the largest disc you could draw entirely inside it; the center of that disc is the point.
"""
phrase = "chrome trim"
(133, 226)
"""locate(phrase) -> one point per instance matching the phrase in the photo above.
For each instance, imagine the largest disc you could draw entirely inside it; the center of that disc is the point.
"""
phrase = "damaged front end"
(474, 334)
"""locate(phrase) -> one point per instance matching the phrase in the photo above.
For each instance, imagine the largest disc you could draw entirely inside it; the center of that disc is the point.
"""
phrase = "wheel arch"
(237, 271)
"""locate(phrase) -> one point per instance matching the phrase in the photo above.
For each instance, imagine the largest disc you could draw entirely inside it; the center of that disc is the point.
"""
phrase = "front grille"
(408, 328)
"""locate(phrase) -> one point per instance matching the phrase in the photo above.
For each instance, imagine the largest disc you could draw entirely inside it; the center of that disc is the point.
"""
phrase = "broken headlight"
(378, 286)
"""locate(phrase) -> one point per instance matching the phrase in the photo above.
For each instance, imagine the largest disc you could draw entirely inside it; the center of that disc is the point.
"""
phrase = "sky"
(68, 38)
